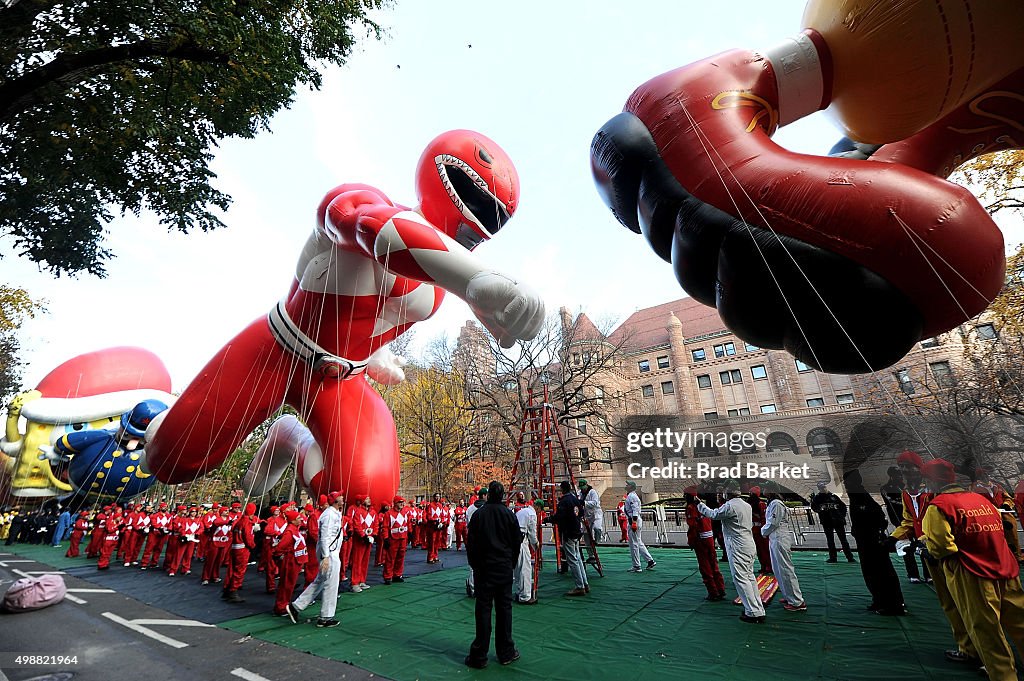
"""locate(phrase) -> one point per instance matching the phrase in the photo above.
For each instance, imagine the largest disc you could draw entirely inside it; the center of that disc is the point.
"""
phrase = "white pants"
(326, 586)
(779, 546)
(741, 565)
(636, 545)
(522, 578)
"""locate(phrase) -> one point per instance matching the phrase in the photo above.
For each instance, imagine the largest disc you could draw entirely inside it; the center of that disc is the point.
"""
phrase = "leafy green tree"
(108, 108)
(16, 305)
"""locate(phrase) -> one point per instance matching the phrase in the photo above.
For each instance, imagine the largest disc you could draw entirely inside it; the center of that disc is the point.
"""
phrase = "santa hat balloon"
(99, 384)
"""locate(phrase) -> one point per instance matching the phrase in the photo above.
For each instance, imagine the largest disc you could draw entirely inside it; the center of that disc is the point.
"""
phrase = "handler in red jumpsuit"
(701, 538)
(436, 527)
(460, 524)
(312, 537)
(292, 551)
(757, 511)
(242, 542)
(272, 531)
(364, 527)
(623, 521)
(111, 533)
(159, 530)
(78, 531)
(397, 520)
(220, 544)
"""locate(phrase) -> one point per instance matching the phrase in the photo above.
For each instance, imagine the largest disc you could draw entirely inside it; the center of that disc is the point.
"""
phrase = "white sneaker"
(364, 585)
(356, 588)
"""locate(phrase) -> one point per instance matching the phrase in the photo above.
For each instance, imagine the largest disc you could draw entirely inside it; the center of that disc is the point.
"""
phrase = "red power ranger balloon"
(370, 270)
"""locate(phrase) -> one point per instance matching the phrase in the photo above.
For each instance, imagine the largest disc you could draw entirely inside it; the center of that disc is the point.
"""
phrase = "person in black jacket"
(832, 513)
(869, 527)
(492, 547)
(567, 519)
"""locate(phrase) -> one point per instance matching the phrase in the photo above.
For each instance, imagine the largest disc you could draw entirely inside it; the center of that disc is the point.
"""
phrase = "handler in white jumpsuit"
(328, 552)
(737, 525)
(637, 548)
(522, 579)
(776, 529)
(592, 506)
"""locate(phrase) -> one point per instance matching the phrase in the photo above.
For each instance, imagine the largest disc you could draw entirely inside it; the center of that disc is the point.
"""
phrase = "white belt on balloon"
(292, 339)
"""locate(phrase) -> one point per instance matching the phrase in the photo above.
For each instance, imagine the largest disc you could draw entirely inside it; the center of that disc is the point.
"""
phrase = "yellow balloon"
(899, 65)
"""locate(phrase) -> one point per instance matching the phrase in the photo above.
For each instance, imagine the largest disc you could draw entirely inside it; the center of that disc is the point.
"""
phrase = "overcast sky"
(537, 77)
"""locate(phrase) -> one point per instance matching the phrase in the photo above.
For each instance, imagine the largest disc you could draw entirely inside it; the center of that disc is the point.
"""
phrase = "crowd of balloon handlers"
(965, 537)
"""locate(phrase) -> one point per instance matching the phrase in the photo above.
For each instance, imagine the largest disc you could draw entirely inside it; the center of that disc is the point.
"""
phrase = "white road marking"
(3, 563)
(145, 631)
(37, 572)
(92, 591)
(244, 673)
(75, 599)
(176, 623)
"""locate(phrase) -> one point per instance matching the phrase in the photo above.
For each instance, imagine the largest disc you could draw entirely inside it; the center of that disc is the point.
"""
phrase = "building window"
(599, 395)
(645, 366)
(663, 362)
(816, 402)
(704, 381)
(710, 415)
(732, 412)
(750, 348)
(780, 442)
(575, 358)
(602, 424)
(906, 383)
(930, 343)
(698, 355)
(510, 384)
(844, 398)
(585, 458)
(823, 442)
(667, 388)
(545, 378)
(942, 373)
(800, 366)
(731, 376)
(647, 391)
(606, 456)
(725, 349)
(768, 409)
(743, 411)
(987, 332)
(758, 372)
(581, 426)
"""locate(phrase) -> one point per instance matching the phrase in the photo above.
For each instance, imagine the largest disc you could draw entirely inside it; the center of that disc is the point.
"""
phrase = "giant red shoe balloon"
(845, 263)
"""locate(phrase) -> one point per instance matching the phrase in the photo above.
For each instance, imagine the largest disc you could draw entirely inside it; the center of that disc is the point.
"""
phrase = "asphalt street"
(99, 634)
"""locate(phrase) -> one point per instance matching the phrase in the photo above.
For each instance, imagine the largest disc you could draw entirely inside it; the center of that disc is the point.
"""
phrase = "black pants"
(910, 561)
(880, 576)
(500, 595)
(830, 539)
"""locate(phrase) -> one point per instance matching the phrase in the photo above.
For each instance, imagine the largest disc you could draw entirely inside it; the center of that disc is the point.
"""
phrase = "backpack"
(33, 593)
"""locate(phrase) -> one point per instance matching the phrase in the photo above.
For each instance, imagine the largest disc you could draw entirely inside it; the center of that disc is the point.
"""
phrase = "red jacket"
(242, 536)
(364, 522)
(292, 545)
(977, 530)
(398, 523)
(697, 526)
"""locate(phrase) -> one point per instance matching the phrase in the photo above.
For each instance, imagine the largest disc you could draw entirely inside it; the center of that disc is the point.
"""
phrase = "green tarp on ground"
(652, 625)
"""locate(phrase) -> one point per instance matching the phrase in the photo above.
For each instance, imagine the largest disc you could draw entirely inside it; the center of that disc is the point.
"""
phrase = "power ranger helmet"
(136, 421)
(467, 186)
